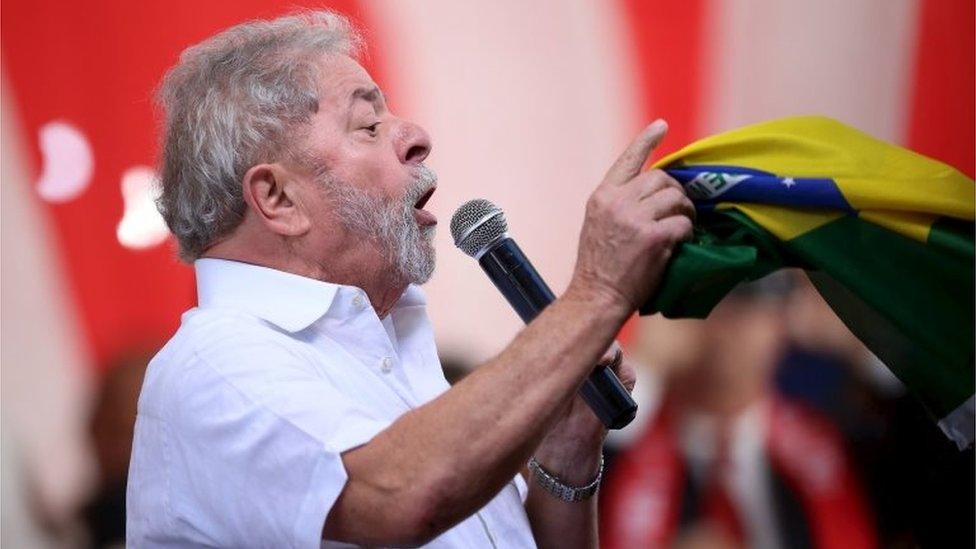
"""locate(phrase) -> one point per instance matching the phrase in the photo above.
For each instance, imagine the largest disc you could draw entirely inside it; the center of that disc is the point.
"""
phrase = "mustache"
(424, 180)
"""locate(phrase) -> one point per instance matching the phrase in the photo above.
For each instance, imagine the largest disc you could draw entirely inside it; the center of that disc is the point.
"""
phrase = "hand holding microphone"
(480, 230)
(632, 222)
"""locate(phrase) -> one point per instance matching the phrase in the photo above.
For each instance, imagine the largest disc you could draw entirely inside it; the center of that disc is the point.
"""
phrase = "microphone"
(480, 230)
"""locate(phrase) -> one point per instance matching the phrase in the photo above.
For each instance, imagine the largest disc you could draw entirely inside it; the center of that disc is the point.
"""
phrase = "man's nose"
(413, 144)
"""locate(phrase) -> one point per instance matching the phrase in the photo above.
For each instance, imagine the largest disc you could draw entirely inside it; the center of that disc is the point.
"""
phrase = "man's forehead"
(344, 79)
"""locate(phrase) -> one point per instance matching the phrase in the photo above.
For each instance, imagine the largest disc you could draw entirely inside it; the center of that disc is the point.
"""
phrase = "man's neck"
(365, 273)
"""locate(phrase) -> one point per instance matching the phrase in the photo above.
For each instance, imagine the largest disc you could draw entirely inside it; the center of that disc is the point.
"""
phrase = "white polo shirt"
(244, 413)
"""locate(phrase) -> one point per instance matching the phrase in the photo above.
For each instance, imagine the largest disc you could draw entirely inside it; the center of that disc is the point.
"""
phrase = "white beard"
(390, 224)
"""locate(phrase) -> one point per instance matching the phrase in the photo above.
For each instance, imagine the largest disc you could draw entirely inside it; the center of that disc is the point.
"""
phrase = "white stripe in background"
(527, 104)
(46, 385)
(848, 60)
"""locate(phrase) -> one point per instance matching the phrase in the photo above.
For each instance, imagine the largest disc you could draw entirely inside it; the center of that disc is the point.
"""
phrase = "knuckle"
(632, 154)
(673, 182)
(592, 201)
(626, 159)
(673, 195)
(662, 179)
(650, 180)
(680, 231)
(653, 236)
(597, 200)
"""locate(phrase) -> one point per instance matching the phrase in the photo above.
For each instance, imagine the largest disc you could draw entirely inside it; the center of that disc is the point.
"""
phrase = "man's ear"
(271, 193)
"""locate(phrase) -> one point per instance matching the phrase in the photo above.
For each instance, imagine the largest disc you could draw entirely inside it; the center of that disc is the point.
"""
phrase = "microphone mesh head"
(475, 224)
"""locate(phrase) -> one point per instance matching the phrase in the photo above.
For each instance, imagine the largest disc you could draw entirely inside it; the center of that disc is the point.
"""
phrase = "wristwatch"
(565, 492)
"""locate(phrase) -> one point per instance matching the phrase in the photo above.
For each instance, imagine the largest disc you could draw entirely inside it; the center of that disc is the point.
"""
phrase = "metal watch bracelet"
(554, 486)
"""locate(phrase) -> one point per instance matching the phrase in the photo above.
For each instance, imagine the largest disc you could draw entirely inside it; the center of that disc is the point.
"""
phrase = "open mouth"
(423, 199)
(423, 217)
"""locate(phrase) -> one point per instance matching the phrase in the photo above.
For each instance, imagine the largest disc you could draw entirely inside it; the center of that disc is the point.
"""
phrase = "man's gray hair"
(233, 101)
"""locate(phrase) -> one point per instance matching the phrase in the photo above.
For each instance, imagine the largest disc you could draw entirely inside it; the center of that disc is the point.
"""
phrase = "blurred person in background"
(921, 486)
(828, 368)
(23, 521)
(726, 461)
(99, 522)
(111, 426)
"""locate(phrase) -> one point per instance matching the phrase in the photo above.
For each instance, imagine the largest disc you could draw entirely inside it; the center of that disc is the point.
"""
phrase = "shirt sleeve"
(522, 487)
(256, 444)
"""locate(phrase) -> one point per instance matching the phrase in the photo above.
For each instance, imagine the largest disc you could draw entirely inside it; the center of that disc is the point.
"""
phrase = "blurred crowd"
(765, 425)
(769, 425)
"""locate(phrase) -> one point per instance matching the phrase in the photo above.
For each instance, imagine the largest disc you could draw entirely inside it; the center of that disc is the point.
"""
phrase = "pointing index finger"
(630, 162)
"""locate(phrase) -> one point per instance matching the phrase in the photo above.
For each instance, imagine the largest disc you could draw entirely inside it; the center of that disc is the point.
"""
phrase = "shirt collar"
(412, 297)
(289, 301)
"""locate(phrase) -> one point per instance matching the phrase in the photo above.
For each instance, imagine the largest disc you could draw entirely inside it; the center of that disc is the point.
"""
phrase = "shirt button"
(358, 301)
(386, 365)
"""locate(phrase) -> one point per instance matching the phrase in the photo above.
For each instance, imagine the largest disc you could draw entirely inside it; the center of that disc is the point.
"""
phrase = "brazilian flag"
(884, 234)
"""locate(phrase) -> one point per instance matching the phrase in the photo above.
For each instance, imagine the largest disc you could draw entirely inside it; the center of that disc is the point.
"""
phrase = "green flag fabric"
(885, 235)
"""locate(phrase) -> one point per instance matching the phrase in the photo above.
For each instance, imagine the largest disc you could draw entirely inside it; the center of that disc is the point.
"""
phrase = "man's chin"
(417, 267)
(424, 279)
(426, 273)
(426, 269)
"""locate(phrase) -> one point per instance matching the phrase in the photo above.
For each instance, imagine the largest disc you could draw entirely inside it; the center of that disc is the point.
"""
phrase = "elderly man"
(301, 402)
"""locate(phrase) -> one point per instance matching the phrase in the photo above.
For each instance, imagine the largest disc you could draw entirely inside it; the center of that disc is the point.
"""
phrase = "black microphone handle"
(516, 278)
